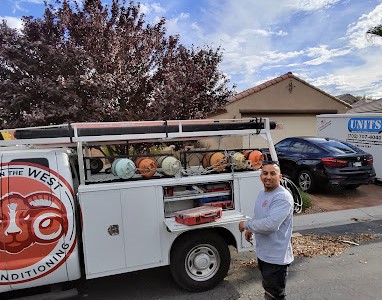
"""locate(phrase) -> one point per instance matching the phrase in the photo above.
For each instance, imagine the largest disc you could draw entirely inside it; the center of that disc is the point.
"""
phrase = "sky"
(323, 42)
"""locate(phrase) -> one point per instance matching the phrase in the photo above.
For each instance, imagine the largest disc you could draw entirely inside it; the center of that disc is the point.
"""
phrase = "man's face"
(270, 176)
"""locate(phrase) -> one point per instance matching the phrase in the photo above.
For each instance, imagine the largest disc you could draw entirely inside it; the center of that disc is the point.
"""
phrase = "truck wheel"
(96, 165)
(199, 261)
(306, 181)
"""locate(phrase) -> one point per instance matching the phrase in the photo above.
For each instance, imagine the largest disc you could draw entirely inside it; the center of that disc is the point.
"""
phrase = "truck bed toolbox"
(198, 215)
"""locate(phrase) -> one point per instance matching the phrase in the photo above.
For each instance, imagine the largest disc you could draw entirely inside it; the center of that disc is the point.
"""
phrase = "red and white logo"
(37, 231)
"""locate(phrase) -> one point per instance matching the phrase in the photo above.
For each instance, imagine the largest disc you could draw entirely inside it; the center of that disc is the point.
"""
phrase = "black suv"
(315, 162)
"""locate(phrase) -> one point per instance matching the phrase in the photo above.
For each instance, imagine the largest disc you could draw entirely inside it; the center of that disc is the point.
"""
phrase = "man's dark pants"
(274, 279)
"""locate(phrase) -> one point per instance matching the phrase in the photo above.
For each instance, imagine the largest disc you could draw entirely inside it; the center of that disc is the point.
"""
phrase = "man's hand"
(249, 236)
(241, 226)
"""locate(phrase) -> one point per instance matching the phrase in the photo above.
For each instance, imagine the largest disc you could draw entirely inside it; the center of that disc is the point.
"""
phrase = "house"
(290, 101)
(348, 98)
(367, 106)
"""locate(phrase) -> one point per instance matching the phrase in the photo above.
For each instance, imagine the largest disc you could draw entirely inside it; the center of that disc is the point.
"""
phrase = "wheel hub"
(305, 182)
(202, 261)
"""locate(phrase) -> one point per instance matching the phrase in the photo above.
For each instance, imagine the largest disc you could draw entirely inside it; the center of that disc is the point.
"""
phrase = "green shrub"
(306, 201)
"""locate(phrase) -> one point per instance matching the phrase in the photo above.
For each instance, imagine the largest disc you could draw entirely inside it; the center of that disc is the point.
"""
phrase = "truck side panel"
(38, 236)
(104, 248)
(121, 229)
(142, 220)
(73, 256)
(4, 276)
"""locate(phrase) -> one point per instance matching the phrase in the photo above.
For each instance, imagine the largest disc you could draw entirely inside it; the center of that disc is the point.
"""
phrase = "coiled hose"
(292, 188)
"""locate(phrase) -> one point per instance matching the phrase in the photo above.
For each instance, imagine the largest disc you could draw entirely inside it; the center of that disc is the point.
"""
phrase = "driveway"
(364, 196)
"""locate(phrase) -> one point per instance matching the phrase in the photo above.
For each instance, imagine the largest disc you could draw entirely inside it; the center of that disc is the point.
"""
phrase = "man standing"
(272, 224)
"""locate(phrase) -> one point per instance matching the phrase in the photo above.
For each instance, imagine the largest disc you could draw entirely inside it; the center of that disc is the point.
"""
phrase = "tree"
(376, 30)
(90, 62)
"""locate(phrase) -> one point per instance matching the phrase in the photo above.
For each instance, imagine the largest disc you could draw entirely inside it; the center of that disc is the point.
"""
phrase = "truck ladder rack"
(69, 134)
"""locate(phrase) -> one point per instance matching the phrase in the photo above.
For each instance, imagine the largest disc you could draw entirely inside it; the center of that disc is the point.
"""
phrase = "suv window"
(311, 149)
(283, 146)
(297, 147)
(336, 146)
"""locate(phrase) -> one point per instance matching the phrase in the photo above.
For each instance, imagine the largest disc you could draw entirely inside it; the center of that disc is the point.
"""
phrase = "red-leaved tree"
(90, 62)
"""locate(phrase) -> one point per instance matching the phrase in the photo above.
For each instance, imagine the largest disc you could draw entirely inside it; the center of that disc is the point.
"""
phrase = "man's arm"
(279, 210)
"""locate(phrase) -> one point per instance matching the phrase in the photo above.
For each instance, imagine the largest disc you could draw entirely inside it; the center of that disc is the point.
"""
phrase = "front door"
(4, 279)
(34, 228)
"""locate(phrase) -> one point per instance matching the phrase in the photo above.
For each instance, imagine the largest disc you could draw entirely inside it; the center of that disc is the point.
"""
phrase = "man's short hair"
(273, 163)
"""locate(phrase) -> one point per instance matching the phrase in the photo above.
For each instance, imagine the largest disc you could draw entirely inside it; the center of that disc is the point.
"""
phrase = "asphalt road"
(355, 274)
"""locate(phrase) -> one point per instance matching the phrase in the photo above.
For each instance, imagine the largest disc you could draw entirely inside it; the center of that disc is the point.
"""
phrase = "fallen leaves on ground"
(251, 263)
(312, 210)
(310, 245)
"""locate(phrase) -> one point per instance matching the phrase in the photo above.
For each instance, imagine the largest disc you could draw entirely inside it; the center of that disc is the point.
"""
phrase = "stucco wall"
(279, 97)
(291, 103)
(292, 125)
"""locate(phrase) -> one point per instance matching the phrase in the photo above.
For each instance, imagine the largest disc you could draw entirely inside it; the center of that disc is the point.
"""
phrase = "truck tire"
(96, 165)
(305, 181)
(199, 261)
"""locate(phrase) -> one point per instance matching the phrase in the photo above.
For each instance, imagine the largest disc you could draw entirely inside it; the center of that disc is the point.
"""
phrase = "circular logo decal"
(37, 230)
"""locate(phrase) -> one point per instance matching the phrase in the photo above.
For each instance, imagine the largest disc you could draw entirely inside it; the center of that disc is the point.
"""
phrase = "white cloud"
(158, 8)
(33, 1)
(20, 2)
(264, 33)
(195, 26)
(357, 80)
(148, 8)
(248, 65)
(356, 32)
(18, 5)
(275, 56)
(180, 25)
(13, 22)
(310, 5)
(323, 55)
(144, 9)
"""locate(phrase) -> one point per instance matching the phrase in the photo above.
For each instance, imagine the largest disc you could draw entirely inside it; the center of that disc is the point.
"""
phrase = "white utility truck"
(90, 200)
(76, 200)
(363, 130)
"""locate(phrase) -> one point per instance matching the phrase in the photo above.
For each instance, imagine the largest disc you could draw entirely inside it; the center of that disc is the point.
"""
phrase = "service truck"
(363, 130)
(77, 203)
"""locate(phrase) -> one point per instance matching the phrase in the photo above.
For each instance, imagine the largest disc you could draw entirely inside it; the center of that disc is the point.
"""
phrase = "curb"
(334, 218)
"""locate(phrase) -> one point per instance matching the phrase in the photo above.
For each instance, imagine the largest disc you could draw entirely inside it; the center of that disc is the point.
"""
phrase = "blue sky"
(323, 42)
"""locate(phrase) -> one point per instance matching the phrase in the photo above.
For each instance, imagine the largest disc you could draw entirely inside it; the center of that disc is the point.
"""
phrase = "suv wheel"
(305, 181)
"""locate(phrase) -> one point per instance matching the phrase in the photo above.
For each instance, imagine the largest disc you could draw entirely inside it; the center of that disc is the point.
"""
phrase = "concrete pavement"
(334, 218)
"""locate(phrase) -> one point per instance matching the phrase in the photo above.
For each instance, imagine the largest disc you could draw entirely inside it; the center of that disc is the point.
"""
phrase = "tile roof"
(276, 80)
(368, 107)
